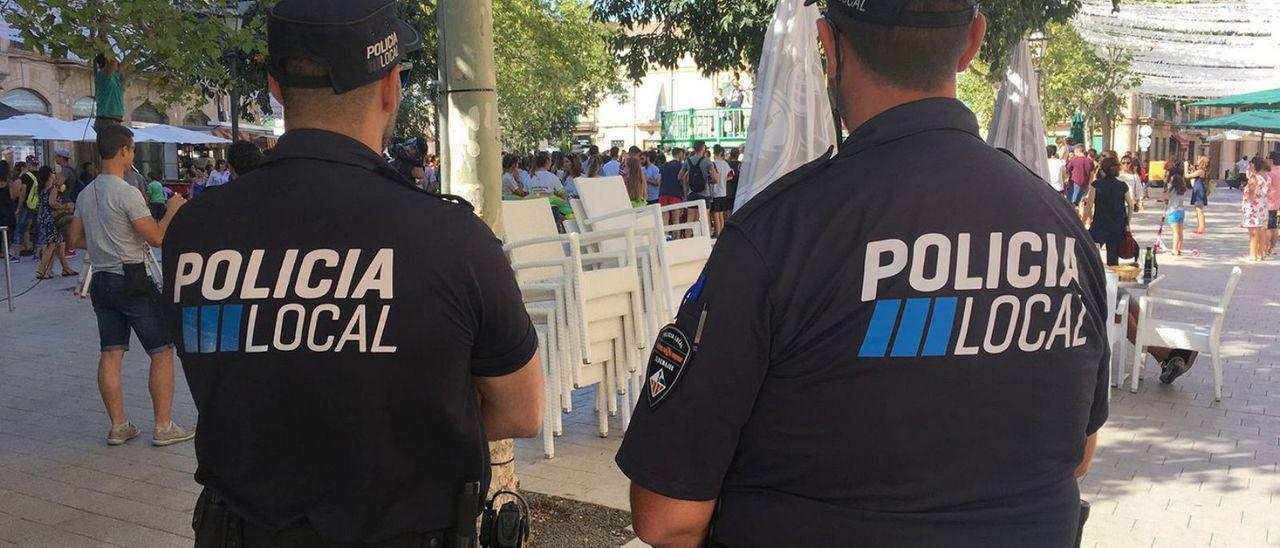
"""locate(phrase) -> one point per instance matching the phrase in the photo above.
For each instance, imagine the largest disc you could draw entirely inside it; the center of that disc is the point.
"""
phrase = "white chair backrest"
(526, 220)
(1113, 295)
(601, 196)
(1232, 282)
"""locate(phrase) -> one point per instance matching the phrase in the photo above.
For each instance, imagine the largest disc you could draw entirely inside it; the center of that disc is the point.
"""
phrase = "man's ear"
(274, 88)
(977, 31)
(390, 86)
(827, 36)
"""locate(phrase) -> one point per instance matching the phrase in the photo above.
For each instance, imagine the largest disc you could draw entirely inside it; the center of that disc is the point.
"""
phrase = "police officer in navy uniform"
(350, 341)
(900, 344)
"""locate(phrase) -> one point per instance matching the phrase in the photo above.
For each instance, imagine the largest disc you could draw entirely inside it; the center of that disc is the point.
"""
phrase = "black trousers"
(1112, 243)
(216, 526)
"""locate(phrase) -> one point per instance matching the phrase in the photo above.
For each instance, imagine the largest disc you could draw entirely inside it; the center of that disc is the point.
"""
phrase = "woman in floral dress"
(48, 237)
(1255, 207)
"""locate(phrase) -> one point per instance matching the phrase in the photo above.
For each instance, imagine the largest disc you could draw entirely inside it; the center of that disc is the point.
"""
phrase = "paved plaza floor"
(1173, 468)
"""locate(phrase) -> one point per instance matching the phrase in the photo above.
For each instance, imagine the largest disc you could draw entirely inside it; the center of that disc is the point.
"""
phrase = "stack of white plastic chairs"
(584, 293)
(671, 256)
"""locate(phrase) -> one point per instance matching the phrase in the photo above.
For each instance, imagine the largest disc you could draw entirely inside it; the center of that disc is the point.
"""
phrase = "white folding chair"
(1198, 337)
(1117, 330)
(672, 264)
(544, 321)
(599, 293)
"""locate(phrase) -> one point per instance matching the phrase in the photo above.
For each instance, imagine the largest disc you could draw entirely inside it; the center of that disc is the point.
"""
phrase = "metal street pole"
(235, 97)
(470, 155)
(471, 103)
(441, 107)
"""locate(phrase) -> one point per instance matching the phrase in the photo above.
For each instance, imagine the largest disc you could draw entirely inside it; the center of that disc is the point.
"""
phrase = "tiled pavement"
(1173, 468)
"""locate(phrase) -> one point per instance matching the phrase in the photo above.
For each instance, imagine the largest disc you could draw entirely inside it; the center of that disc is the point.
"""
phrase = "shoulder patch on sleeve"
(672, 353)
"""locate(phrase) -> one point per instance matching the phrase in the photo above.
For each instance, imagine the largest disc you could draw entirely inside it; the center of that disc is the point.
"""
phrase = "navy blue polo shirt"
(889, 352)
(669, 183)
(331, 348)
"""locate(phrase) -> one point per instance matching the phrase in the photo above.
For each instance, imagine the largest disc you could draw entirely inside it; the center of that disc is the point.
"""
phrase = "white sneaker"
(121, 434)
(173, 434)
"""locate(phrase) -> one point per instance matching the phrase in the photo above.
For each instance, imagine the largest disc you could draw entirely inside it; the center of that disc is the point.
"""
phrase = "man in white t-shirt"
(718, 190)
(1055, 168)
(543, 181)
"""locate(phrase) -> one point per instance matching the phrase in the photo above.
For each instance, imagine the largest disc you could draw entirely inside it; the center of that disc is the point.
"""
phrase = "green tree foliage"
(1078, 77)
(554, 64)
(723, 35)
(976, 88)
(553, 61)
(182, 48)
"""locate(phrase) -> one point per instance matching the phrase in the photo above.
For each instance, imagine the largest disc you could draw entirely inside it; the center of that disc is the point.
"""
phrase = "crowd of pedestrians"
(664, 177)
(1107, 193)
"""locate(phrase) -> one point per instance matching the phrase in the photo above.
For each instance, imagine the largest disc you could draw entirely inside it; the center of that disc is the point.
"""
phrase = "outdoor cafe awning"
(1259, 99)
(1266, 121)
(161, 133)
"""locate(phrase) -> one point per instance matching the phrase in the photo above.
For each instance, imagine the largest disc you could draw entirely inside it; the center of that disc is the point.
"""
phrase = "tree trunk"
(1107, 130)
(471, 140)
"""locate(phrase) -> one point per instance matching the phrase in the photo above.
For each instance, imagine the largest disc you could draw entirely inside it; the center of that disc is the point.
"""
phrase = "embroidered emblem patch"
(671, 354)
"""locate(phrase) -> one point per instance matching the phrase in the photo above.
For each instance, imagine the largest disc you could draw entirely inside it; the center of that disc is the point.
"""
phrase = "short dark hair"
(319, 103)
(613, 152)
(244, 157)
(699, 146)
(1259, 165)
(1109, 166)
(541, 159)
(112, 139)
(633, 150)
(593, 150)
(1053, 150)
(918, 59)
(717, 150)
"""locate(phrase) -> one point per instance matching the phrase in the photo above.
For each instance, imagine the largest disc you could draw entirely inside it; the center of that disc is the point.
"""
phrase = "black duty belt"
(216, 526)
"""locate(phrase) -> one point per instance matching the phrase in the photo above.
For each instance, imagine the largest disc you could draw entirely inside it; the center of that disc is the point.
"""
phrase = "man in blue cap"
(900, 344)
(347, 370)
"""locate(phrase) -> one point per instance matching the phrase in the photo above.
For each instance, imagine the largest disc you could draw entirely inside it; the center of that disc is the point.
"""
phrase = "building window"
(84, 107)
(149, 114)
(196, 118)
(26, 100)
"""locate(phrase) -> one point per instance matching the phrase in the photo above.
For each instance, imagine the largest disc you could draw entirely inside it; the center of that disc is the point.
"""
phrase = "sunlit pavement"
(1173, 468)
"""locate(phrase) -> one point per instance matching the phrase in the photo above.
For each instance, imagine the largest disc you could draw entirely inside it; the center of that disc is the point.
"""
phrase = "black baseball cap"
(893, 13)
(357, 41)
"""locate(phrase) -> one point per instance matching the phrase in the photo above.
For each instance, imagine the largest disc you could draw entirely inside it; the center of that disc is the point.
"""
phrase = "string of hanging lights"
(1196, 49)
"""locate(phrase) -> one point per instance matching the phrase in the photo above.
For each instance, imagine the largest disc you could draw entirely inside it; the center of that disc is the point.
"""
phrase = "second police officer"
(350, 341)
(899, 344)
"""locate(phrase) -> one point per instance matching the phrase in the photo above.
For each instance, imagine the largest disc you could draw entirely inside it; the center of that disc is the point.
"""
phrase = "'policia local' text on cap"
(357, 41)
(893, 13)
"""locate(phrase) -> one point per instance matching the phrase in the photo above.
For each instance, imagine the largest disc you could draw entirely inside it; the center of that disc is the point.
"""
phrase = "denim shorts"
(118, 313)
(1176, 216)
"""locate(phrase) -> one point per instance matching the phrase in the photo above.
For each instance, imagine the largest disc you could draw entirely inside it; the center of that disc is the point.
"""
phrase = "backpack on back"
(33, 195)
(697, 177)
